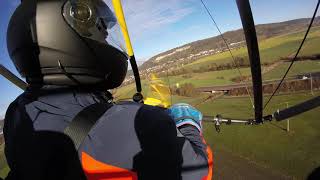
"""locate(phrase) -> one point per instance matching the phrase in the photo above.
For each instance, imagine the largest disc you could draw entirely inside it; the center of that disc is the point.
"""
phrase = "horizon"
(222, 34)
(168, 25)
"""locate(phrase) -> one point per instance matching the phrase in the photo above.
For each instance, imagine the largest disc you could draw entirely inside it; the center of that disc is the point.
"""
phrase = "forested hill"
(234, 38)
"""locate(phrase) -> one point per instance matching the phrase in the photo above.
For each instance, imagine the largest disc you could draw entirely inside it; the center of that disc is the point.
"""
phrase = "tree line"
(186, 89)
(239, 62)
(286, 87)
(302, 58)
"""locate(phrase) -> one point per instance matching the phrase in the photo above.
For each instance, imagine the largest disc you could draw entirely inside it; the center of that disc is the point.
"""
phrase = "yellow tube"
(123, 25)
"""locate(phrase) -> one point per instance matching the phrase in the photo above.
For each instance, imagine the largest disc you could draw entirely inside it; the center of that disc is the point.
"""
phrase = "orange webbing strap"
(210, 164)
(210, 161)
(96, 170)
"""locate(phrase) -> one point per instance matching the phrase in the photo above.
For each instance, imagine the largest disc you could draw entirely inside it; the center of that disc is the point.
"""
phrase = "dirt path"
(231, 167)
(209, 98)
(271, 67)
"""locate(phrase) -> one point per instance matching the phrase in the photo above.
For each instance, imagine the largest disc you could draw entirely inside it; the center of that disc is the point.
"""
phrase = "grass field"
(299, 67)
(3, 163)
(214, 78)
(295, 153)
(210, 78)
(197, 79)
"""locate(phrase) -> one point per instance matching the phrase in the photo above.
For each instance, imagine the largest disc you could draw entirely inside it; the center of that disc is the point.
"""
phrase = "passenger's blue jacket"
(130, 140)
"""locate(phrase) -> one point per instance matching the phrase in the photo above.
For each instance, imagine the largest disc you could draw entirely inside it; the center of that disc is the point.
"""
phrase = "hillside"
(192, 51)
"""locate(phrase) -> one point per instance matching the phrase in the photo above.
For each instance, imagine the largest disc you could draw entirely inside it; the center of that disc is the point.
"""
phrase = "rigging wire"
(295, 57)
(233, 59)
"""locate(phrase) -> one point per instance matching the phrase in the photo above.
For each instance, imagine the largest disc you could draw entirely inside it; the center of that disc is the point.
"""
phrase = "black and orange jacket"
(130, 141)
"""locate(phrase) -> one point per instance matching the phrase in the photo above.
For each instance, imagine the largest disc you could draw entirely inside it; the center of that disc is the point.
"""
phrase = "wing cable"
(233, 59)
(295, 57)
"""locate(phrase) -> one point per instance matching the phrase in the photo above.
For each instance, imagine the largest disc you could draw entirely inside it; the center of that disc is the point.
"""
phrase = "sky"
(156, 26)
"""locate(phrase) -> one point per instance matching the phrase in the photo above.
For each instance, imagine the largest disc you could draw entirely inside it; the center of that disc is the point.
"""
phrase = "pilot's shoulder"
(144, 114)
(143, 110)
(155, 120)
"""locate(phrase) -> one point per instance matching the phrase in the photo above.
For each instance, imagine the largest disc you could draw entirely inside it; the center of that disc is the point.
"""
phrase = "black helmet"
(73, 42)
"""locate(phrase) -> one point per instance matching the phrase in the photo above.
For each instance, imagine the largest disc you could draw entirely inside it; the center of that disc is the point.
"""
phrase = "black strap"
(82, 123)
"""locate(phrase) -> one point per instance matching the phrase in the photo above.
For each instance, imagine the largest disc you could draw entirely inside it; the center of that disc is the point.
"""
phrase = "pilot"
(66, 125)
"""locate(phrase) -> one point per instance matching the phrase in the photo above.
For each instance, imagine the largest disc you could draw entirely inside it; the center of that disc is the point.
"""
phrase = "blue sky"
(158, 25)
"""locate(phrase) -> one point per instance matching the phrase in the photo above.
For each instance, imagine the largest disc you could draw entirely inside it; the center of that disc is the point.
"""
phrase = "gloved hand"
(183, 114)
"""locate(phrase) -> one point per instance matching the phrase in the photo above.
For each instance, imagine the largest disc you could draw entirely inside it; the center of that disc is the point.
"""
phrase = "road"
(233, 86)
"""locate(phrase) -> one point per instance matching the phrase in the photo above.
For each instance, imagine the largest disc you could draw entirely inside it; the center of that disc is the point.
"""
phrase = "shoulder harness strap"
(82, 123)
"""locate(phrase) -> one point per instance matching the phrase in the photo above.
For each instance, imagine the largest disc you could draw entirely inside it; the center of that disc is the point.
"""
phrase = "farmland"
(270, 49)
(300, 67)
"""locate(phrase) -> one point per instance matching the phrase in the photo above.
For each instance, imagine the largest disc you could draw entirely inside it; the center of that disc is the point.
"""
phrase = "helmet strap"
(67, 74)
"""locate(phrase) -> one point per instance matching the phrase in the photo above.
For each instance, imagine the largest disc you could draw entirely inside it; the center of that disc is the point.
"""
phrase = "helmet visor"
(95, 19)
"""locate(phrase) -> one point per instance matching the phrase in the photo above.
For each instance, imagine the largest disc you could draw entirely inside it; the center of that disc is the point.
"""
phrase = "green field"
(209, 78)
(299, 67)
(294, 153)
(214, 78)
(3, 164)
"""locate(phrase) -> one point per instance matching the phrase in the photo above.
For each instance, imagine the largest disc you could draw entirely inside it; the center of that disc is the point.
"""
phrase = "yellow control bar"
(123, 25)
